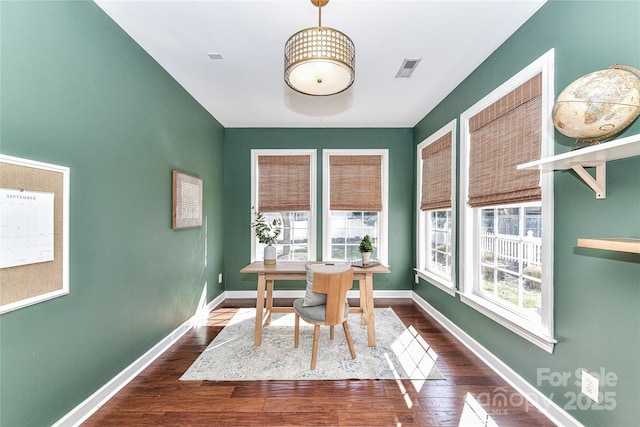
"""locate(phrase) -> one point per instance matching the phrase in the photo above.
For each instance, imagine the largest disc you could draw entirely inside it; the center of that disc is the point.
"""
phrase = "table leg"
(269, 301)
(257, 334)
(363, 302)
(371, 321)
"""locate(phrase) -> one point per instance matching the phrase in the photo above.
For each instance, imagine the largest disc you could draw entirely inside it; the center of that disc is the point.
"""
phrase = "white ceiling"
(246, 88)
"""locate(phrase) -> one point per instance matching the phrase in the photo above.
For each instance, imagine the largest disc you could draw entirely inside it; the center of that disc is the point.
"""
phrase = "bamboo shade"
(504, 135)
(356, 183)
(284, 183)
(436, 175)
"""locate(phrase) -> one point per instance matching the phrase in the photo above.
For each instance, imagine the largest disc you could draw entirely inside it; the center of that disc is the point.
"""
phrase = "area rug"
(400, 352)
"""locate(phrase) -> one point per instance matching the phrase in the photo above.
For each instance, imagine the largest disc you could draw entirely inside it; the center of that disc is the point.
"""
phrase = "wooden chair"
(334, 312)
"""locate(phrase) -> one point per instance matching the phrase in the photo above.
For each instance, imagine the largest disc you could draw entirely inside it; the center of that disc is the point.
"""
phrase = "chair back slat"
(335, 286)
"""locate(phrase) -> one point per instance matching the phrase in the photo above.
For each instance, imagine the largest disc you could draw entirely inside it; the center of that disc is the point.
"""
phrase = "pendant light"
(319, 61)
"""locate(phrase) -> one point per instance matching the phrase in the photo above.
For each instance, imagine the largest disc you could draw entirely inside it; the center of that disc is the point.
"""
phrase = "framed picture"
(187, 201)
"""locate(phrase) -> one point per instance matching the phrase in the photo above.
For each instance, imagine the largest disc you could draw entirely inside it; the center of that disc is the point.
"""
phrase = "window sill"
(436, 281)
(532, 332)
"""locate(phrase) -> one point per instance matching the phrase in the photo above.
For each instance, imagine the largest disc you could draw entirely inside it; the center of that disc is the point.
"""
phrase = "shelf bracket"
(599, 183)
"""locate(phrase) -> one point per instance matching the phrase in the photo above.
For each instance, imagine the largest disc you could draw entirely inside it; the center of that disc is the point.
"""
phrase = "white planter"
(269, 254)
(365, 257)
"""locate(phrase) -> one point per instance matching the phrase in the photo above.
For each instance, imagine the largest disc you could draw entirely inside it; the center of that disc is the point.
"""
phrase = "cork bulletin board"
(34, 232)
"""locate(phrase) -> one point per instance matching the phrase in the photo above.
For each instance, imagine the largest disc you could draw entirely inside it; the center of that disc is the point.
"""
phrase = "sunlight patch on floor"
(474, 415)
(403, 389)
(417, 358)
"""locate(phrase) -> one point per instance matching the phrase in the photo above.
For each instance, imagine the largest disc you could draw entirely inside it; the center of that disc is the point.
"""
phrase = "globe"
(598, 105)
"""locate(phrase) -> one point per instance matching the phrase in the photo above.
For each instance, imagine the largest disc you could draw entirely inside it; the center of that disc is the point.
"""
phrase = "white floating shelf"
(592, 156)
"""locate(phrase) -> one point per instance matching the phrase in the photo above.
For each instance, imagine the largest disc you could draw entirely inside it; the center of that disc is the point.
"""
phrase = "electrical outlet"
(590, 386)
(417, 279)
(220, 278)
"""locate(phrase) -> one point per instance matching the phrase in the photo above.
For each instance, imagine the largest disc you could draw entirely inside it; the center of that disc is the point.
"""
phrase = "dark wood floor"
(471, 395)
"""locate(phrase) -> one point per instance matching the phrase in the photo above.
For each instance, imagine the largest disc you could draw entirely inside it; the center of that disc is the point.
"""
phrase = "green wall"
(238, 234)
(597, 293)
(78, 92)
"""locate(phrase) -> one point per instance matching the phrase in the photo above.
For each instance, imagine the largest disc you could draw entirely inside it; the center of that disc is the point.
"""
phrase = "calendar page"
(26, 227)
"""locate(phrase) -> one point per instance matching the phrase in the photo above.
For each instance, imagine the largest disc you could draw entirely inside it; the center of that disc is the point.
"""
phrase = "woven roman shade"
(284, 183)
(355, 183)
(503, 135)
(436, 175)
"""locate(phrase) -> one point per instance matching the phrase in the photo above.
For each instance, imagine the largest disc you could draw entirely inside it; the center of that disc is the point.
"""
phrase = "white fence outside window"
(526, 249)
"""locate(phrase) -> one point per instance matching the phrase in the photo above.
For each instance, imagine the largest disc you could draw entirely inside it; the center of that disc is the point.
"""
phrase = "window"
(507, 214)
(283, 186)
(436, 206)
(510, 257)
(355, 203)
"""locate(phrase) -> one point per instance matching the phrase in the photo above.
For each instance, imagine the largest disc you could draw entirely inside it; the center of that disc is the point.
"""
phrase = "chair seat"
(314, 313)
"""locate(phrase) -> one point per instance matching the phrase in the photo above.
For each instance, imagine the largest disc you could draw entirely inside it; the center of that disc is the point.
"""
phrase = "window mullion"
(522, 233)
(496, 251)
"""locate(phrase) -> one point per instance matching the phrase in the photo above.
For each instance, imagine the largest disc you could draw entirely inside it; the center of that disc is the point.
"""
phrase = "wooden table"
(295, 270)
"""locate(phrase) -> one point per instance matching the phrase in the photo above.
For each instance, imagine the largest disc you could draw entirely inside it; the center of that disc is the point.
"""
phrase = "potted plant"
(267, 234)
(365, 249)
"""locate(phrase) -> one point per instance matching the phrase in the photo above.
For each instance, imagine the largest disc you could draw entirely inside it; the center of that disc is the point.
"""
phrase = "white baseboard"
(545, 405)
(85, 409)
(300, 294)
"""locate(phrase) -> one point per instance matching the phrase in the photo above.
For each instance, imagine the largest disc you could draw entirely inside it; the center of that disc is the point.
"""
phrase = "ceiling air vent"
(407, 67)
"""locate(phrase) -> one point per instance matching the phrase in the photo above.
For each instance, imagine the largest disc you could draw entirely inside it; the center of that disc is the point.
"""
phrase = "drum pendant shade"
(319, 61)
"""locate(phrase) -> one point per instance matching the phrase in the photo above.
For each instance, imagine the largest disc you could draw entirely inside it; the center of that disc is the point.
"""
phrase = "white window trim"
(538, 334)
(384, 214)
(435, 280)
(255, 153)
